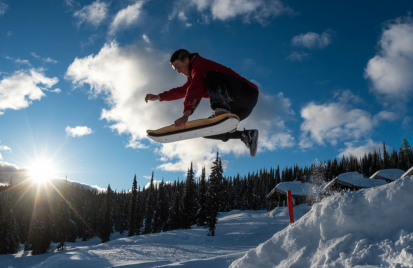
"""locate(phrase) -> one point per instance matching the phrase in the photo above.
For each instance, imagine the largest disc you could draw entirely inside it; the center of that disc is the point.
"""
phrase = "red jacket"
(195, 87)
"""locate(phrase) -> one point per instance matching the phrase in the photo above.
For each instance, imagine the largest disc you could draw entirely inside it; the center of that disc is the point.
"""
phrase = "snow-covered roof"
(391, 174)
(357, 179)
(408, 173)
(299, 188)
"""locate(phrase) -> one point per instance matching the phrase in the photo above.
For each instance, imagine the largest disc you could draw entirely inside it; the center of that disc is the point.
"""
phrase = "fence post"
(290, 206)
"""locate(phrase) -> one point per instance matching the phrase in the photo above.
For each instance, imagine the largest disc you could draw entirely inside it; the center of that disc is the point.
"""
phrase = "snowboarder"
(228, 93)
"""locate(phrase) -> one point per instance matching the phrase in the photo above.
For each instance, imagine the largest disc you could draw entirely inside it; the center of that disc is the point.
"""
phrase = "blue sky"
(334, 78)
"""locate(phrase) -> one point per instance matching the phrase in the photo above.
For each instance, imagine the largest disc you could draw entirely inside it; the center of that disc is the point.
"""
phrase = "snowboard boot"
(250, 138)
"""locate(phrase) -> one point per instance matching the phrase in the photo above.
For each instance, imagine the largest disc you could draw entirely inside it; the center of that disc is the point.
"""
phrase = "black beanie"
(175, 56)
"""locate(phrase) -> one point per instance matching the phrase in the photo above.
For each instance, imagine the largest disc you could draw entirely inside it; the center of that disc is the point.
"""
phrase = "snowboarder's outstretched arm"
(152, 97)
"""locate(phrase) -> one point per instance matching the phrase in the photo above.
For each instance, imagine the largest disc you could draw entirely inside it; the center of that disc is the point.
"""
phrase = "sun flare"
(41, 171)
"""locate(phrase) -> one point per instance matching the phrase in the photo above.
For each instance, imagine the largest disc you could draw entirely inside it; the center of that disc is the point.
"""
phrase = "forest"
(37, 214)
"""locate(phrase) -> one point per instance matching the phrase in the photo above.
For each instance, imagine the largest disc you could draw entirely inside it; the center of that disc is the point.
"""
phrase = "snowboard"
(194, 129)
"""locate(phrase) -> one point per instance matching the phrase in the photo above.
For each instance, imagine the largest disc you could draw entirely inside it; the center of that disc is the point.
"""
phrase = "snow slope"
(236, 233)
(368, 228)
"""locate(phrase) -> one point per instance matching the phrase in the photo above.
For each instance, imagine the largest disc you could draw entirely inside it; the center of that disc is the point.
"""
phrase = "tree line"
(37, 214)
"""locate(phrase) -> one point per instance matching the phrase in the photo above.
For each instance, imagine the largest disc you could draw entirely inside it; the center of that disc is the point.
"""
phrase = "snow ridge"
(368, 227)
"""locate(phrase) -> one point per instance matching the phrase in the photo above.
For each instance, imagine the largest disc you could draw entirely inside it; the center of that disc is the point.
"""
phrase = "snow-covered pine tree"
(201, 213)
(150, 204)
(213, 196)
(318, 173)
(156, 225)
(61, 223)
(174, 220)
(132, 208)
(9, 238)
(188, 200)
(163, 207)
(107, 217)
(139, 212)
(40, 236)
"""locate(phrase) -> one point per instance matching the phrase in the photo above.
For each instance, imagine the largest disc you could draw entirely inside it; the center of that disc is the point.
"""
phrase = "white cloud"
(298, 56)
(56, 90)
(390, 71)
(352, 148)
(20, 89)
(78, 131)
(146, 38)
(93, 14)
(3, 8)
(126, 17)
(260, 11)
(334, 121)
(35, 55)
(312, 40)
(124, 75)
(19, 61)
(9, 33)
(5, 148)
(49, 60)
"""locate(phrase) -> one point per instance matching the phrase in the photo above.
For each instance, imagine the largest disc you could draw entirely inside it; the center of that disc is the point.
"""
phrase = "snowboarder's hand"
(151, 97)
(180, 123)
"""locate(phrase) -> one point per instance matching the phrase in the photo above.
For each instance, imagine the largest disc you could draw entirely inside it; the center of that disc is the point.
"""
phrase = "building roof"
(408, 173)
(389, 174)
(297, 188)
(357, 179)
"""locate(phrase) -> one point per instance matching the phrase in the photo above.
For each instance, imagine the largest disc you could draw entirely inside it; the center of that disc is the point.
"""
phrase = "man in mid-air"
(228, 93)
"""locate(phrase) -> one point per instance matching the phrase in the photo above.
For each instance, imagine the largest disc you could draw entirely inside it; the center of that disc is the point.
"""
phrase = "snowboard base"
(195, 129)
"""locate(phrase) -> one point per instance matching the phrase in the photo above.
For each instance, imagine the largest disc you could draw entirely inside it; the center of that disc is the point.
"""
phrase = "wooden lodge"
(301, 193)
(388, 175)
(350, 181)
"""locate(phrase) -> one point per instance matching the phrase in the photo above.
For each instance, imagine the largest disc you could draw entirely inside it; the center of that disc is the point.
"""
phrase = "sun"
(41, 171)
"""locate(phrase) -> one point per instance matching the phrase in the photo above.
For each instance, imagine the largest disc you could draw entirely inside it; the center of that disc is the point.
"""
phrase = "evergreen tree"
(163, 207)
(213, 196)
(188, 201)
(149, 208)
(201, 213)
(9, 238)
(132, 208)
(174, 221)
(62, 222)
(139, 213)
(40, 232)
(107, 217)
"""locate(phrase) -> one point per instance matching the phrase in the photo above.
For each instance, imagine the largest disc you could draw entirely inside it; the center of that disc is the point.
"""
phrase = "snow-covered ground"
(237, 232)
(364, 229)
(368, 228)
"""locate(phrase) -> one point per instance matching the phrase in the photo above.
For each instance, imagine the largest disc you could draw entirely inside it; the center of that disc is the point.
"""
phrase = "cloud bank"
(124, 75)
(260, 11)
(390, 71)
(337, 120)
(93, 14)
(127, 17)
(20, 89)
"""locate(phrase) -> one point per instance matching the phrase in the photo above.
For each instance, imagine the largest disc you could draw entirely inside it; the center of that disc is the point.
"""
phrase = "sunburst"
(41, 171)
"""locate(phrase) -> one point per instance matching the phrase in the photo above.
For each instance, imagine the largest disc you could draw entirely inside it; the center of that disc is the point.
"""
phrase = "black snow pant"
(231, 94)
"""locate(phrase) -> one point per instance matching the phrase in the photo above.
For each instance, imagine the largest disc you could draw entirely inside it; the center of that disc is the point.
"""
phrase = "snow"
(299, 188)
(367, 228)
(391, 174)
(359, 180)
(408, 173)
(236, 233)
